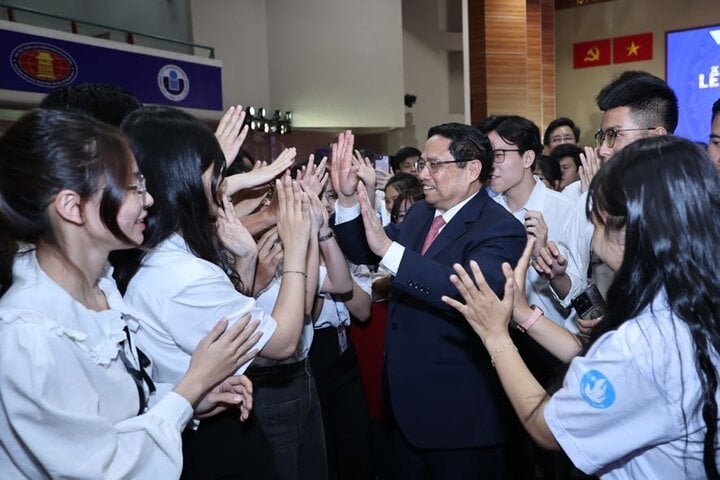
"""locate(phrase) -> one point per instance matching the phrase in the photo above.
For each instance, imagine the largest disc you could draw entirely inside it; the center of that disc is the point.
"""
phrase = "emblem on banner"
(173, 83)
(43, 64)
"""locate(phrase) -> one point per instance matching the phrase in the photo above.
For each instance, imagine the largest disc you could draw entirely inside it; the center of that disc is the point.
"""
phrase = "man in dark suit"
(446, 400)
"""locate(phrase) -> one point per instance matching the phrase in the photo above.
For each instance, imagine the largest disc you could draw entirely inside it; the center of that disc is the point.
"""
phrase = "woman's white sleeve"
(608, 406)
(56, 404)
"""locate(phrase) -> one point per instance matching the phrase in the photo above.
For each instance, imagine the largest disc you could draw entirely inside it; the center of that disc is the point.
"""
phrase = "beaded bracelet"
(295, 271)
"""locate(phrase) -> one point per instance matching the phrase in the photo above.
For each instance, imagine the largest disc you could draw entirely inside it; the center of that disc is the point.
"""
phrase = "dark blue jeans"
(287, 410)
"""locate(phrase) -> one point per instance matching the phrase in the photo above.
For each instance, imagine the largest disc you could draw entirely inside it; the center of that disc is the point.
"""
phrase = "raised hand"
(366, 173)
(270, 254)
(377, 239)
(293, 227)
(591, 163)
(232, 233)
(365, 169)
(521, 309)
(313, 177)
(485, 312)
(342, 171)
(318, 212)
(261, 174)
(231, 133)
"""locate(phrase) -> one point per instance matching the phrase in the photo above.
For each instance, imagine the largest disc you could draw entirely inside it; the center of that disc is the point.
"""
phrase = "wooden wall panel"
(512, 59)
(478, 68)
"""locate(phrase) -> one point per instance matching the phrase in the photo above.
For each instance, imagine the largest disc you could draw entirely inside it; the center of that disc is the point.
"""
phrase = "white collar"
(451, 212)
(34, 297)
(534, 202)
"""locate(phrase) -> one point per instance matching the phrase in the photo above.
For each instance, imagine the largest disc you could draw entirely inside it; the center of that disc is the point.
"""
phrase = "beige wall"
(576, 89)
(238, 31)
(337, 63)
(427, 74)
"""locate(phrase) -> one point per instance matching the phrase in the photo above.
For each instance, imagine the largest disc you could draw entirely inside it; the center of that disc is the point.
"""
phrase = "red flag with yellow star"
(591, 54)
(633, 48)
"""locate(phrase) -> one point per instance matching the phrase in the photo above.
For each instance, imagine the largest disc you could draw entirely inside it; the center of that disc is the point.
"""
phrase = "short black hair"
(402, 155)
(561, 122)
(103, 101)
(466, 143)
(567, 150)
(651, 101)
(550, 168)
(715, 110)
(490, 123)
(520, 132)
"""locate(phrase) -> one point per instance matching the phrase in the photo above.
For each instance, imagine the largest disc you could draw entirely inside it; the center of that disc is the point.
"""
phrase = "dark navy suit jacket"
(443, 390)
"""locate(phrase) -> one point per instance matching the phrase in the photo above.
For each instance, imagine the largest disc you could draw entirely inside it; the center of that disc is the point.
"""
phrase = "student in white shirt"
(641, 402)
(198, 262)
(545, 213)
(76, 397)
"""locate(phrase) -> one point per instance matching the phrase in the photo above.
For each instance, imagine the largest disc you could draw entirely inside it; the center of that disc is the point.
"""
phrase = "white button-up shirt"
(181, 297)
(558, 211)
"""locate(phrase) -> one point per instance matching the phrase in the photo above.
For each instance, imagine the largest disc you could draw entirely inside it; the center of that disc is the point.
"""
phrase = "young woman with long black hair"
(76, 397)
(641, 401)
(198, 260)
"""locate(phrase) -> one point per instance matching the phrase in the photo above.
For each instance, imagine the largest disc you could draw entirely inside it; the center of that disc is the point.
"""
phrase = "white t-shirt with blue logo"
(619, 414)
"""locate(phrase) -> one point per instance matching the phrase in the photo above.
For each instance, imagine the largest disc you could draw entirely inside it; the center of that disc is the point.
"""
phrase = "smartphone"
(589, 304)
(382, 162)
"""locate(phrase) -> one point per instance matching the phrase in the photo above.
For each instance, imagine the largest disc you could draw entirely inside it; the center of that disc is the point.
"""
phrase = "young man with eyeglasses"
(545, 213)
(450, 416)
(635, 105)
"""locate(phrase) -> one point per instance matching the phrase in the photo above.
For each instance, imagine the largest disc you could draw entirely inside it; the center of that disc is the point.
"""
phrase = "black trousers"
(224, 448)
(344, 407)
(448, 464)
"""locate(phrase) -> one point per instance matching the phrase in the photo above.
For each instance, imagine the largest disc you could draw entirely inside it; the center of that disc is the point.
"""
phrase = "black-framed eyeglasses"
(499, 154)
(608, 136)
(433, 165)
(140, 187)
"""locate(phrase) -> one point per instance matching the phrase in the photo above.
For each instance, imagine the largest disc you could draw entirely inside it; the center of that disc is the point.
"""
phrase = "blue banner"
(40, 63)
(693, 71)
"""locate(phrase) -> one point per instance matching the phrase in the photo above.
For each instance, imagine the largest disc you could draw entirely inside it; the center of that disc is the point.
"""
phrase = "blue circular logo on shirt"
(597, 390)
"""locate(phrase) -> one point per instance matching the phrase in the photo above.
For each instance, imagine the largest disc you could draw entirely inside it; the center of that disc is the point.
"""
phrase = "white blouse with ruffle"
(68, 407)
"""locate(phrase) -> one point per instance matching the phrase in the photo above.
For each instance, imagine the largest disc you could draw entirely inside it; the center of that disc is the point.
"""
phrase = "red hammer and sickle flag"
(592, 54)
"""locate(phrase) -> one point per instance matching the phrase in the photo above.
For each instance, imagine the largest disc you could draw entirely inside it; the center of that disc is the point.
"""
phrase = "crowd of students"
(162, 316)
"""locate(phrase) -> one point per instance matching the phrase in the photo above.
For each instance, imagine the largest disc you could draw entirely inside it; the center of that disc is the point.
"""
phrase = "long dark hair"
(173, 149)
(665, 193)
(47, 151)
